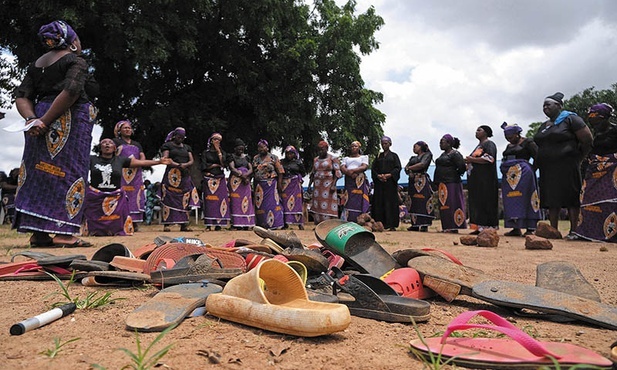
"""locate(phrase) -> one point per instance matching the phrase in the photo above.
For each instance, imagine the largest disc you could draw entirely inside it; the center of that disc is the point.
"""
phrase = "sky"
(449, 66)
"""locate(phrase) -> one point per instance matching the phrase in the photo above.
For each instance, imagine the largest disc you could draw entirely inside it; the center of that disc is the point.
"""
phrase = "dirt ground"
(365, 344)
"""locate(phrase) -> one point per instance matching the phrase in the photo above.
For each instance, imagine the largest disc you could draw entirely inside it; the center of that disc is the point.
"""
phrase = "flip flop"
(31, 270)
(170, 253)
(31, 254)
(193, 268)
(315, 262)
(108, 252)
(272, 297)
(357, 245)
(115, 278)
(509, 294)
(518, 351)
(286, 239)
(375, 299)
(170, 306)
(403, 256)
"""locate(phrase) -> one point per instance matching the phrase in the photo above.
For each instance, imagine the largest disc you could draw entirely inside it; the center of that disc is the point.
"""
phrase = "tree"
(282, 70)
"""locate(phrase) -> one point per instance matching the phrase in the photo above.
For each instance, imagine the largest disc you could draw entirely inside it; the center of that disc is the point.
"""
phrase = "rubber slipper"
(144, 251)
(193, 268)
(279, 305)
(60, 261)
(518, 351)
(403, 256)
(108, 252)
(84, 265)
(375, 299)
(171, 252)
(274, 246)
(407, 283)
(115, 278)
(33, 255)
(315, 262)
(31, 270)
(357, 245)
(170, 306)
(132, 264)
(445, 277)
(509, 294)
(286, 239)
(183, 239)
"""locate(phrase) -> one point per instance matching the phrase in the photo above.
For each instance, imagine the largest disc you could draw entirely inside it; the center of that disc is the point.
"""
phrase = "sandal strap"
(501, 325)
(447, 254)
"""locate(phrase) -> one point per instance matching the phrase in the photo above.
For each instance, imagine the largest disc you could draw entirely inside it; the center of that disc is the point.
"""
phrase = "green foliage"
(284, 70)
(92, 300)
(57, 348)
(142, 360)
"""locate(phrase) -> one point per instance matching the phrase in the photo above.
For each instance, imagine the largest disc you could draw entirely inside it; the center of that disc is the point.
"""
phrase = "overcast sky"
(449, 66)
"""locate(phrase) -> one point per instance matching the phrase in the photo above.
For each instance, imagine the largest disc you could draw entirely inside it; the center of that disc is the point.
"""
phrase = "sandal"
(513, 232)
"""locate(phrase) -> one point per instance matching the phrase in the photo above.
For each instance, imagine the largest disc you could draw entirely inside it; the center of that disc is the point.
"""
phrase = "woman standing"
(292, 187)
(52, 181)
(214, 185)
(563, 141)
(356, 184)
(420, 188)
(519, 189)
(326, 171)
(482, 183)
(240, 192)
(599, 192)
(107, 209)
(449, 168)
(268, 182)
(178, 192)
(132, 179)
(385, 171)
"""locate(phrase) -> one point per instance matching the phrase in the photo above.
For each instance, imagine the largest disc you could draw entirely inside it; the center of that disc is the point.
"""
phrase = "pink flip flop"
(520, 351)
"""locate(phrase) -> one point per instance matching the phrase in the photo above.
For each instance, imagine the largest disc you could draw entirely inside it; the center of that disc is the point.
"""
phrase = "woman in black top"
(420, 188)
(563, 141)
(449, 168)
(214, 185)
(385, 172)
(482, 182)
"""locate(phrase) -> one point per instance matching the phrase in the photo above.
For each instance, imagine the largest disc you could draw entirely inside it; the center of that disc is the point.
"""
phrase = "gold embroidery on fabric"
(50, 169)
(75, 197)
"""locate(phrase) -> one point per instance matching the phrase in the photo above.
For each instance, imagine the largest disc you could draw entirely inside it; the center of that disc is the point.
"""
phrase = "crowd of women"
(54, 194)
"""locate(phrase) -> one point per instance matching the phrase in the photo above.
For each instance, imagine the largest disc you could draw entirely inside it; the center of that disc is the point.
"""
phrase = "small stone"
(536, 242)
(488, 238)
(545, 230)
(469, 240)
(603, 249)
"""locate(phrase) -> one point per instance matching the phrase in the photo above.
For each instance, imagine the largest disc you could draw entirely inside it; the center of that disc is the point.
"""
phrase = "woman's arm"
(585, 140)
(148, 162)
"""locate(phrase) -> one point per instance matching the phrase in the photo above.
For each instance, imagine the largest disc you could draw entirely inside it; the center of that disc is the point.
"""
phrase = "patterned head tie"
(118, 127)
(174, 132)
(57, 35)
(510, 129)
(292, 149)
(215, 135)
(323, 144)
(600, 110)
(263, 142)
(357, 143)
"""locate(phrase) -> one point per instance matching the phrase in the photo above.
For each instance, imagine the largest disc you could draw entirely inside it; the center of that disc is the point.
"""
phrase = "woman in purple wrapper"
(598, 219)
(420, 188)
(292, 188)
(356, 184)
(268, 182)
(214, 184)
(106, 206)
(449, 168)
(132, 178)
(519, 188)
(55, 98)
(178, 194)
(240, 192)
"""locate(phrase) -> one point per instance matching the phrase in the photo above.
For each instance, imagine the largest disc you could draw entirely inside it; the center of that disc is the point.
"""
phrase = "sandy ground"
(366, 344)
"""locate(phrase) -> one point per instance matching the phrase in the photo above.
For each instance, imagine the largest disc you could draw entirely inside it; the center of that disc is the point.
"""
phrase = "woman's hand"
(38, 127)
(165, 160)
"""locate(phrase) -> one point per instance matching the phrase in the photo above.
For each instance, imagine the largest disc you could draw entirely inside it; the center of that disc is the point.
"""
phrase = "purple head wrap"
(263, 142)
(602, 109)
(449, 138)
(387, 138)
(171, 134)
(291, 148)
(119, 125)
(57, 35)
(216, 134)
(510, 129)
